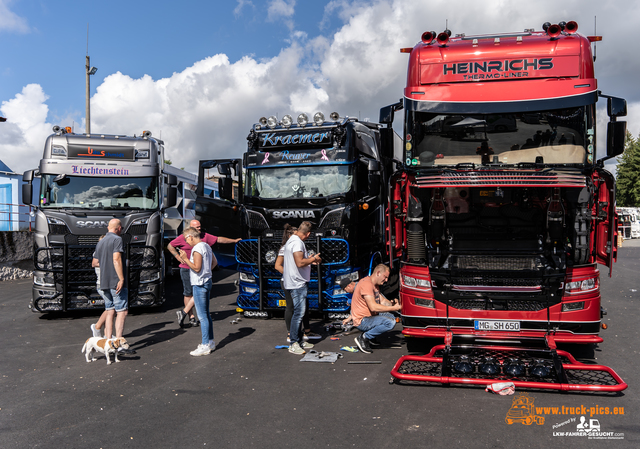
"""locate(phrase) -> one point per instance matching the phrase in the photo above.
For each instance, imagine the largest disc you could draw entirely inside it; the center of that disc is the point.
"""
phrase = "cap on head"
(344, 283)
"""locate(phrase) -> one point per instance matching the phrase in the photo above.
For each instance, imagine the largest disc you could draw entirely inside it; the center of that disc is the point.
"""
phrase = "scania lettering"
(331, 173)
(87, 180)
(503, 208)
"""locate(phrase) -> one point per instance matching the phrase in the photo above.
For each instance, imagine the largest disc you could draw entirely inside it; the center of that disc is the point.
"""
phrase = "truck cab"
(332, 173)
(87, 180)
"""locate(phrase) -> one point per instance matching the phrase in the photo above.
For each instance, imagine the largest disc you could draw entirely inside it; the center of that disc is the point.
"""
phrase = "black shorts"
(186, 282)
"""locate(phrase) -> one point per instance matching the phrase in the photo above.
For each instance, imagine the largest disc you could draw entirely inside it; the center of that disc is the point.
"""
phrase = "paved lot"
(249, 394)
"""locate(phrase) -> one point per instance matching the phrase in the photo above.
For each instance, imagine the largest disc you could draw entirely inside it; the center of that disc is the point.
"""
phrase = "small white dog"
(105, 346)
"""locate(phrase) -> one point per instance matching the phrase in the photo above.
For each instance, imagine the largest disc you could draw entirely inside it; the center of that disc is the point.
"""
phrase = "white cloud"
(281, 10)
(10, 21)
(241, 4)
(22, 136)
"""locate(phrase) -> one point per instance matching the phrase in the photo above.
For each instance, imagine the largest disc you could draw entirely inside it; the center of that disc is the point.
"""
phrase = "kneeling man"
(370, 310)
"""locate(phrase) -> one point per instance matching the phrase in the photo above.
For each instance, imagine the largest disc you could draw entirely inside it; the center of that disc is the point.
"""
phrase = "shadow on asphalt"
(239, 334)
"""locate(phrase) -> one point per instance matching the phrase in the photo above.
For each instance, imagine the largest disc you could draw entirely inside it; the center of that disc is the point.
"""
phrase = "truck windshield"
(299, 182)
(64, 191)
(553, 137)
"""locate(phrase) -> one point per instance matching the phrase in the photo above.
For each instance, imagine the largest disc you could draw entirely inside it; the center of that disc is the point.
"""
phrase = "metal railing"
(22, 217)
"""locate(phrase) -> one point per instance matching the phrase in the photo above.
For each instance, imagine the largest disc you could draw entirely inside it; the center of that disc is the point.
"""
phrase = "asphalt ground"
(249, 394)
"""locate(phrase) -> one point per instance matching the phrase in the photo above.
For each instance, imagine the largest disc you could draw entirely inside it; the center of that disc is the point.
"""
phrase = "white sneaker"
(201, 350)
(306, 345)
(212, 345)
(296, 349)
(96, 332)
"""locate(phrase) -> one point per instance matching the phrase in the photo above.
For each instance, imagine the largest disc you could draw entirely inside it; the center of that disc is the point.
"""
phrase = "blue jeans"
(201, 295)
(299, 297)
(114, 300)
(372, 326)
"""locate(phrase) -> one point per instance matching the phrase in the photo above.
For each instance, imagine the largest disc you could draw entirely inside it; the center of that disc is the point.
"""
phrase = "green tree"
(168, 161)
(628, 177)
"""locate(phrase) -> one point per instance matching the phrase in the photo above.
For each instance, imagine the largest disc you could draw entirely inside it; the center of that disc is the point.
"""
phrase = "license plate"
(497, 325)
(282, 302)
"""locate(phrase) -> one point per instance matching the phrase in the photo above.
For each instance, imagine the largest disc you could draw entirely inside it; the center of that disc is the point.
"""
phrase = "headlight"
(44, 281)
(417, 283)
(287, 120)
(245, 277)
(140, 221)
(576, 287)
(318, 118)
(271, 256)
(250, 290)
(56, 221)
(303, 120)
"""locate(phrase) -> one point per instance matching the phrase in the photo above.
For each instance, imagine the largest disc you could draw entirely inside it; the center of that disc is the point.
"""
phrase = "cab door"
(606, 230)
(222, 214)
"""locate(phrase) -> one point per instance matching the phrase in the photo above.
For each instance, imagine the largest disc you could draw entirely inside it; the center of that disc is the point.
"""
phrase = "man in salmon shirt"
(370, 310)
(187, 291)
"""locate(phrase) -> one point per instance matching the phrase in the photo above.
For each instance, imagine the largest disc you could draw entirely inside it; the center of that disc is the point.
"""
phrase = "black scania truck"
(331, 173)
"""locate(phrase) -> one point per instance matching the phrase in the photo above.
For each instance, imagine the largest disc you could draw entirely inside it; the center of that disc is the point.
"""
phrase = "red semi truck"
(503, 208)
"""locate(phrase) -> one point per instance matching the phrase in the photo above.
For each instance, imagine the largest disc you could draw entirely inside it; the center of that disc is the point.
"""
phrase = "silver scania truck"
(85, 181)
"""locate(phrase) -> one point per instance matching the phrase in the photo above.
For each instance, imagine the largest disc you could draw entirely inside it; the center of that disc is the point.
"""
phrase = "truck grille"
(482, 304)
(257, 221)
(495, 263)
(332, 250)
(484, 178)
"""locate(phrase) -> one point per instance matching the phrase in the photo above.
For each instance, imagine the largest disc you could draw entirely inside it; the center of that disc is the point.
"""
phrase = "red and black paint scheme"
(503, 209)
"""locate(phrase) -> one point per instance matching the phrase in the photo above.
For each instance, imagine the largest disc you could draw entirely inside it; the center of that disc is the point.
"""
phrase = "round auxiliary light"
(272, 122)
(428, 37)
(514, 368)
(489, 366)
(303, 119)
(540, 370)
(571, 27)
(287, 120)
(318, 118)
(263, 121)
(464, 365)
(334, 116)
(270, 257)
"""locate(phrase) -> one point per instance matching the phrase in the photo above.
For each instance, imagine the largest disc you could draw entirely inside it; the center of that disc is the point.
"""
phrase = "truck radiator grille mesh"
(501, 178)
(492, 263)
(333, 251)
(257, 221)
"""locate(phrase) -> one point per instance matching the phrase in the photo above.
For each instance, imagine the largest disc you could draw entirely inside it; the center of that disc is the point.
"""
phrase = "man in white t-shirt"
(296, 275)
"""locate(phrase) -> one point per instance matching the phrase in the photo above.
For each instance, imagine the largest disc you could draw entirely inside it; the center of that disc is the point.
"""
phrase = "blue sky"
(200, 73)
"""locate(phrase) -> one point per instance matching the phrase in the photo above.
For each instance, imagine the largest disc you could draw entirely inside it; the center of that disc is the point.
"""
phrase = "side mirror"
(172, 197)
(224, 169)
(27, 194)
(373, 165)
(616, 135)
(616, 107)
(27, 188)
(374, 184)
(172, 180)
(225, 188)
